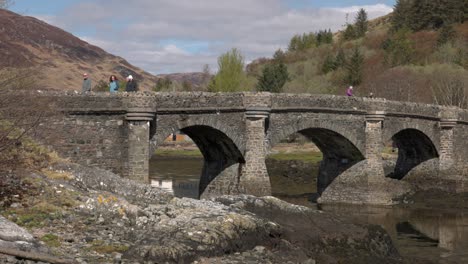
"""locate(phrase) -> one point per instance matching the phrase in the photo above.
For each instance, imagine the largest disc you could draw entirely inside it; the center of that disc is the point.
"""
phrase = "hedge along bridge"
(235, 132)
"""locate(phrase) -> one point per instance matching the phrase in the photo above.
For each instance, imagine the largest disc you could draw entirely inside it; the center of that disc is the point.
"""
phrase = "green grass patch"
(310, 156)
(51, 240)
(101, 247)
(193, 153)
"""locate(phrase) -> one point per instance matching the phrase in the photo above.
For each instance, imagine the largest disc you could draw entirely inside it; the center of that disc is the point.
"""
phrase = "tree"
(424, 14)
(163, 84)
(21, 111)
(398, 48)
(447, 33)
(361, 23)
(449, 85)
(340, 59)
(5, 4)
(187, 86)
(329, 64)
(273, 78)
(401, 15)
(231, 75)
(294, 43)
(354, 68)
(279, 55)
(349, 33)
(206, 77)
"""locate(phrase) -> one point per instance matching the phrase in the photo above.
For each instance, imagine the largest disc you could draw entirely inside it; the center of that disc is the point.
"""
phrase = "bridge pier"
(137, 164)
(446, 143)
(254, 177)
(365, 183)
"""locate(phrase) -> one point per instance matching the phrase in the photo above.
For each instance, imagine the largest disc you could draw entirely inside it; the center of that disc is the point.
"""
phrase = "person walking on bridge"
(349, 91)
(132, 85)
(113, 84)
(86, 87)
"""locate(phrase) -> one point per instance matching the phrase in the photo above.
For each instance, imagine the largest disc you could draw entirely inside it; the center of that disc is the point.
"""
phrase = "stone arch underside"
(228, 124)
(339, 154)
(219, 152)
(414, 148)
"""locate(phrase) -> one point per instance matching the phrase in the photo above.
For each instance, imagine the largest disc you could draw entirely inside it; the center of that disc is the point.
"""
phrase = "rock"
(10, 231)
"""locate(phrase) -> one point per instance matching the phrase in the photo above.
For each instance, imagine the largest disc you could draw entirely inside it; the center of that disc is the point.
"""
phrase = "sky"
(168, 36)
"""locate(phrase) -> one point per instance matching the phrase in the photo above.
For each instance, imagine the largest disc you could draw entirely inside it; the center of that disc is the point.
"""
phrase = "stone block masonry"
(235, 132)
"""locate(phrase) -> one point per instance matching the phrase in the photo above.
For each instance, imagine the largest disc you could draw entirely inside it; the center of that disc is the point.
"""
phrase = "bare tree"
(450, 90)
(21, 111)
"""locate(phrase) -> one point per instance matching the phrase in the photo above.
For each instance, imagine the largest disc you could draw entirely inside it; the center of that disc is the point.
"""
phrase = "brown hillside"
(62, 57)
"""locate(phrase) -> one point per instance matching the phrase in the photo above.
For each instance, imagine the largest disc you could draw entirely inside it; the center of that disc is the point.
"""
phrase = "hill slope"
(62, 57)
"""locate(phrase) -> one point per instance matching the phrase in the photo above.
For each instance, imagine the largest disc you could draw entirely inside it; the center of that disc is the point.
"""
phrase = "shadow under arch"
(218, 150)
(339, 154)
(414, 148)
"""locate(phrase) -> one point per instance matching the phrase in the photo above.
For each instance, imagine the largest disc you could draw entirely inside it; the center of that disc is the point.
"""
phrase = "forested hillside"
(417, 53)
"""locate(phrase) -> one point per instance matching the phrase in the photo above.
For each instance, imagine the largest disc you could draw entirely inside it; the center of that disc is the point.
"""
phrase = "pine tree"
(401, 15)
(361, 23)
(399, 48)
(354, 68)
(349, 33)
(274, 76)
(329, 64)
(340, 60)
(294, 43)
(279, 56)
(447, 33)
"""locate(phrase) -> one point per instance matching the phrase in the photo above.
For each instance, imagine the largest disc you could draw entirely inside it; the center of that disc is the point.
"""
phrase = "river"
(439, 235)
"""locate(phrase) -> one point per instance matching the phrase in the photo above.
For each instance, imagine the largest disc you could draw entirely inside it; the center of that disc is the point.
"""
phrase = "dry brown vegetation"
(62, 57)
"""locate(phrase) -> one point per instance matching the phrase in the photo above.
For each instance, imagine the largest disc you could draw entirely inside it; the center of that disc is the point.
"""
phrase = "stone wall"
(235, 131)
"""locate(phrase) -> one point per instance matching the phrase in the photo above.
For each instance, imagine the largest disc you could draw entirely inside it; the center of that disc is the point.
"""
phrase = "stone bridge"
(235, 132)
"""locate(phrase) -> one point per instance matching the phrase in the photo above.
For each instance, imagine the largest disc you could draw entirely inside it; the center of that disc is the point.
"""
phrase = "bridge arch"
(339, 152)
(218, 149)
(414, 148)
(351, 129)
(164, 125)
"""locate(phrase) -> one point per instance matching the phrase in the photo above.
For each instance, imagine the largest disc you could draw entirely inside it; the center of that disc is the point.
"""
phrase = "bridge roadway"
(235, 132)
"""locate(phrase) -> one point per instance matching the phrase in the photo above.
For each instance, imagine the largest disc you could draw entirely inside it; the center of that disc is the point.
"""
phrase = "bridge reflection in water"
(180, 176)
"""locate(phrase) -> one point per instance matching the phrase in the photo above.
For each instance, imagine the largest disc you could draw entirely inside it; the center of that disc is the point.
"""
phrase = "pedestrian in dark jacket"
(132, 85)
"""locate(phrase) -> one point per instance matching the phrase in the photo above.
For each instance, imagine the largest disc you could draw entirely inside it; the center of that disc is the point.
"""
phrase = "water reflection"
(428, 234)
(432, 235)
(180, 176)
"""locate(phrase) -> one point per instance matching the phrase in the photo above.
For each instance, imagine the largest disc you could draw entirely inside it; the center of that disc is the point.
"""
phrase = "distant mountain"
(196, 79)
(62, 57)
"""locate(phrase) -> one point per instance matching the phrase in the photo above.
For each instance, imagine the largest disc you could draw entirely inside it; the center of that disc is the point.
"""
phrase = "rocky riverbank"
(76, 214)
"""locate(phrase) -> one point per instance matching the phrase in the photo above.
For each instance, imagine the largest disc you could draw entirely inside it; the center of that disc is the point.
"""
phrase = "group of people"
(114, 85)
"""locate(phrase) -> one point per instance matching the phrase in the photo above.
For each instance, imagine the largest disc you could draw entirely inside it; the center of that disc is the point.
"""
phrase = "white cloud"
(157, 35)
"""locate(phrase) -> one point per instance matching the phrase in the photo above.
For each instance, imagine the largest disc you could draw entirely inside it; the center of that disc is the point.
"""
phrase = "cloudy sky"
(166, 36)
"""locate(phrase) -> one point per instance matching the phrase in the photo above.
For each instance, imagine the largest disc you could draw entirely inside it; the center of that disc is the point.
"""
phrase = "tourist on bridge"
(132, 85)
(113, 84)
(86, 84)
(349, 91)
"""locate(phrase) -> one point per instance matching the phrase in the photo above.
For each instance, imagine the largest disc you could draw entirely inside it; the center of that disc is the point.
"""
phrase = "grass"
(54, 175)
(51, 240)
(309, 156)
(193, 153)
(37, 216)
(101, 247)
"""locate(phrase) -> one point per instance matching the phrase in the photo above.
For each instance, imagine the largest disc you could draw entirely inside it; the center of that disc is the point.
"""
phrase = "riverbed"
(420, 232)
